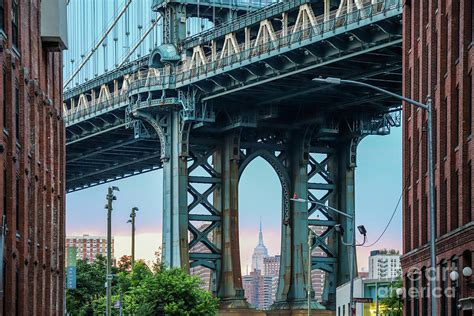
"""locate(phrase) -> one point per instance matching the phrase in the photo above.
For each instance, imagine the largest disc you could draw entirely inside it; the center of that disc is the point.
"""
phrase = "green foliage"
(391, 303)
(176, 293)
(90, 279)
(143, 291)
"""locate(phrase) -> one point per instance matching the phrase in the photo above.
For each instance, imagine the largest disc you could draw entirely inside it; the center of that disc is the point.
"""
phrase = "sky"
(378, 188)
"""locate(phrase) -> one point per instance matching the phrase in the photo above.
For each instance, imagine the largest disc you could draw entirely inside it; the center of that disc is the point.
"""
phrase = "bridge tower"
(191, 160)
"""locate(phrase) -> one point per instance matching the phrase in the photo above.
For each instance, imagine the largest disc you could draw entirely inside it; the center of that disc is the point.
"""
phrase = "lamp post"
(132, 220)
(308, 285)
(399, 292)
(429, 109)
(110, 198)
(352, 245)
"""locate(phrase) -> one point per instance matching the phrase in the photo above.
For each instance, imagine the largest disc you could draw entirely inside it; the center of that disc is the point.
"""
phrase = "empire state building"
(259, 252)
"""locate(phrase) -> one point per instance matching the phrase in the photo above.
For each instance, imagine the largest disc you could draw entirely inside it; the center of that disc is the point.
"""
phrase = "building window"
(470, 16)
(469, 193)
(445, 128)
(443, 285)
(15, 22)
(17, 292)
(457, 28)
(4, 98)
(17, 113)
(5, 195)
(455, 118)
(455, 202)
(2, 14)
(416, 298)
(424, 292)
(17, 204)
(455, 287)
(469, 103)
(446, 42)
(408, 297)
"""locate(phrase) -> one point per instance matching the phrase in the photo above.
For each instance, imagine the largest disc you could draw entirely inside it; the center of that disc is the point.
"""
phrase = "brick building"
(32, 164)
(438, 56)
(89, 247)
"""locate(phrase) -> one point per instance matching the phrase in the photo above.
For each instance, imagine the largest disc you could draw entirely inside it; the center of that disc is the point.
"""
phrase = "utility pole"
(428, 107)
(132, 220)
(308, 284)
(110, 198)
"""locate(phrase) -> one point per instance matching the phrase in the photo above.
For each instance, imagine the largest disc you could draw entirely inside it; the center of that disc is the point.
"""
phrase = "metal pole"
(377, 298)
(308, 285)
(109, 249)
(432, 207)
(352, 267)
(133, 235)
(434, 309)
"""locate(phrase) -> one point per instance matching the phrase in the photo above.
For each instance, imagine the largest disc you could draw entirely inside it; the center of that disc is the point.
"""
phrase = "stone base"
(236, 304)
(296, 305)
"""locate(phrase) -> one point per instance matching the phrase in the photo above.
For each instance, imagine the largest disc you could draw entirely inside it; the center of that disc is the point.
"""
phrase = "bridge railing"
(245, 52)
(293, 36)
(93, 108)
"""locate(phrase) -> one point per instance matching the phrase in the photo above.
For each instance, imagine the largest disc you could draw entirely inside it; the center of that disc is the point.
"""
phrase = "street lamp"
(399, 292)
(132, 220)
(110, 198)
(353, 245)
(429, 109)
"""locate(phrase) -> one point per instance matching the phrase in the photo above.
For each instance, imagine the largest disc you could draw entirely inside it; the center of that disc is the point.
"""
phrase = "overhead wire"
(399, 199)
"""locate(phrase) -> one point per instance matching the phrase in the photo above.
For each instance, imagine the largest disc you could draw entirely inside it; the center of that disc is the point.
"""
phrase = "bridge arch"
(277, 161)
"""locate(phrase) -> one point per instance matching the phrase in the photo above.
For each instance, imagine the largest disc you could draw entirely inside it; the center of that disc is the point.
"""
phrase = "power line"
(399, 199)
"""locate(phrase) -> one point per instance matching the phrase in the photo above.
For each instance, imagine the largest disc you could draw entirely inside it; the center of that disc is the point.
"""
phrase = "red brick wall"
(36, 158)
(438, 59)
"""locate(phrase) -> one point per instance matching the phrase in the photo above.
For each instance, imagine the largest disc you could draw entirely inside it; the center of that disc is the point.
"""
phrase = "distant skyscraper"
(260, 252)
(89, 247)
(258, 289)
(200, 271)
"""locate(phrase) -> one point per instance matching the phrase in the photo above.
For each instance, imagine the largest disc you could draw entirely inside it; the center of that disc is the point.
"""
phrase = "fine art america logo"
(417, 284)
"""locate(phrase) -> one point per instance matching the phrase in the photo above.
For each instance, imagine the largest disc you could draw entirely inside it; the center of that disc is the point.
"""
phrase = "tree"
(174, 292)
(125, 263)
(392, 303)
(90, 280)
(156, 264)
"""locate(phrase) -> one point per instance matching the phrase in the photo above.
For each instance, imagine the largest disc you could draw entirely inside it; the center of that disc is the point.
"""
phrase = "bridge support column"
(342, 166)
(226, 198)
(175, 208)
(293, 282)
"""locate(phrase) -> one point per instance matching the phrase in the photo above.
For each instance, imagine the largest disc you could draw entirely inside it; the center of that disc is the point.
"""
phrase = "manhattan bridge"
(200, 88)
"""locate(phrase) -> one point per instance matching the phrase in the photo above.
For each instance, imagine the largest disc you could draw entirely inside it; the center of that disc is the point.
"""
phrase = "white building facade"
(384, 264)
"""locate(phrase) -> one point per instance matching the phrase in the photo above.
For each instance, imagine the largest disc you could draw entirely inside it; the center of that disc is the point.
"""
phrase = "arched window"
(424, 292)
(443, 286)
(455, 288)
(408, 301)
